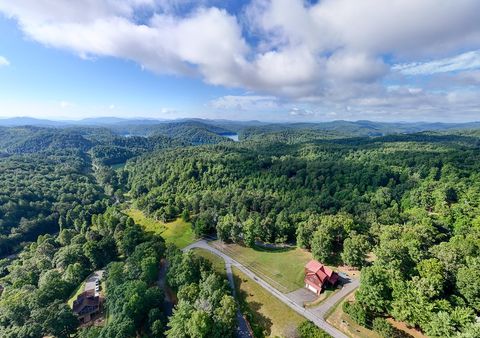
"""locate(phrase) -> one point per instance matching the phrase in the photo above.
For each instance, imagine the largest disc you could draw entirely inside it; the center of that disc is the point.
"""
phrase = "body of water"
(232, 137)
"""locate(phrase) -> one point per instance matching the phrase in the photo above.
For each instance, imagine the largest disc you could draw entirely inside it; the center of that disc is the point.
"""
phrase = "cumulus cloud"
(245, 102)
(4, 62)
(295, 111)
(464, 61)
(330, 52)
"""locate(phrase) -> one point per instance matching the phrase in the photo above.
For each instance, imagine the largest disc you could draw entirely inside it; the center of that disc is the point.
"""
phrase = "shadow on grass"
(260, 324)
(273, 249)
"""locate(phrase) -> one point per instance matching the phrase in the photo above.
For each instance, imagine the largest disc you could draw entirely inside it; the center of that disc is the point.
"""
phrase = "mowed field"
(177, 232)
(282, 268)
(264, 312)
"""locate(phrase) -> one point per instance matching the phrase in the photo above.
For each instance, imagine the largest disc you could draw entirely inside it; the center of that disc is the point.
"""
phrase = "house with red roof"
(317, 276)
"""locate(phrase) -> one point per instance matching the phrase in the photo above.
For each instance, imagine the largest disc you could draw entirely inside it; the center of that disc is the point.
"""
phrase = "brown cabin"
(87, 306)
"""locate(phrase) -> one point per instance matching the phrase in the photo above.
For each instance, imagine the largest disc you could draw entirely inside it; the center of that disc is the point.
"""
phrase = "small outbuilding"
(318, 276)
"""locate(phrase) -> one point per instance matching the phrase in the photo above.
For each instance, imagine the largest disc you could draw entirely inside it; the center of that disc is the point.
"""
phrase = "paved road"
(316, 315)
(322, 309)
(242, 328)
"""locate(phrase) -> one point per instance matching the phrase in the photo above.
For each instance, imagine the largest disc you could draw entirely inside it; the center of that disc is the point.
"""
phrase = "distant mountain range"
(146, 126)
(95, 121)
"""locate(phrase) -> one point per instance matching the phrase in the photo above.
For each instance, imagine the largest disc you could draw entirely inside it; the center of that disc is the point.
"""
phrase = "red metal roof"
(313, 266)
(322, 276)
(318, 274)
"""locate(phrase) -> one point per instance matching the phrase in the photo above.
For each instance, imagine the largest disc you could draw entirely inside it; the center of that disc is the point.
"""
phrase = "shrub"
(356, 312)
(383, 328)
(309, 330)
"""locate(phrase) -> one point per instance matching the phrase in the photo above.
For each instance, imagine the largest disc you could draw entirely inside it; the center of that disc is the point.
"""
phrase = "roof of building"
(313, 265)
(86, 299)
(321, 273)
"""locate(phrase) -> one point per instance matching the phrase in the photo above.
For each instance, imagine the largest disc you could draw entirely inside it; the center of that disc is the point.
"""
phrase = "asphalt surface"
(90, 282)
(316, 315)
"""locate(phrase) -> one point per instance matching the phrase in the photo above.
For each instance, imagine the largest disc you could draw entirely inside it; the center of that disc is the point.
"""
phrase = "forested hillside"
(41, 193)
(411, 199)
(61, 219)
(51, 177)
(408, 201)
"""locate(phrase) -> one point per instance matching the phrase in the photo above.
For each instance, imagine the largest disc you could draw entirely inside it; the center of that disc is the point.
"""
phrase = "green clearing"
(74, 295)
(177, 232)
(265, 312)
(282, 268)
(217, 262)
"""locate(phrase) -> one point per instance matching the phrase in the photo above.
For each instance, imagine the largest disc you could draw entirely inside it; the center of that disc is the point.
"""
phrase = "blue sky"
(286, 60)
(64, 84)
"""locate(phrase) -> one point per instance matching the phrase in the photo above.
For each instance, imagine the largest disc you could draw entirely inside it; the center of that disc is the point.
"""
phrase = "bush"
(309, 330)
(356, 312)
(383, 328)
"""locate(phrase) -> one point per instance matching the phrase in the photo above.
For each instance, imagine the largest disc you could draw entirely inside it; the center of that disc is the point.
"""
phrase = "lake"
(232, 136)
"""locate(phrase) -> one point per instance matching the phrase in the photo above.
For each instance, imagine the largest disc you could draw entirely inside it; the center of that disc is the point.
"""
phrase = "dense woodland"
(411, 202)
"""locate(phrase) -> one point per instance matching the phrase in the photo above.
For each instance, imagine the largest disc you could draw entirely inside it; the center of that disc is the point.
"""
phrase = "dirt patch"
(403, 327)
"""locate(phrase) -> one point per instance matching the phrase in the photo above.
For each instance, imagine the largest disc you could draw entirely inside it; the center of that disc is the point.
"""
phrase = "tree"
(328, 237)
(375, 291)
(432, 275)
(355, 249)
(57, 319)
(249, 232)
(449, 324)
(468, 282)
(132, 236)
(179, 321)
(149, 267)
(52, 287)
(224, 227)
(323, 244)
(225, 317)
(410, 304)
(200, 324)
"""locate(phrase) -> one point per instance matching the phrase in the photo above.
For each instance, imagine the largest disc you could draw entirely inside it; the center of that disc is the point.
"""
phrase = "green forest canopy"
(412, 199)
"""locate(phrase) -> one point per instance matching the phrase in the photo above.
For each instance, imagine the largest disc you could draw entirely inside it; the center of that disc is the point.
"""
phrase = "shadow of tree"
(260, 324)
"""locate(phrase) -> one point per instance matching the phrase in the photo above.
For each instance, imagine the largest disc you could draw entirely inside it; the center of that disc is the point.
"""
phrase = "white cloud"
(4, 61)
(295, 111)
(245, 102)
(465, 61)
(331, 53)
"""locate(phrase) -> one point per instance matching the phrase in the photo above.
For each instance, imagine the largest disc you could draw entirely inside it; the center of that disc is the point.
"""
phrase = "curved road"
(316, 315)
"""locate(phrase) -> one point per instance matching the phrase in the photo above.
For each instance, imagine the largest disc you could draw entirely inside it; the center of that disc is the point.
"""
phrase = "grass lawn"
(265, 312)
(177, 232)
(344, 323)
(74, 295)
(323, 296)
(282, 268)
(218, 263)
